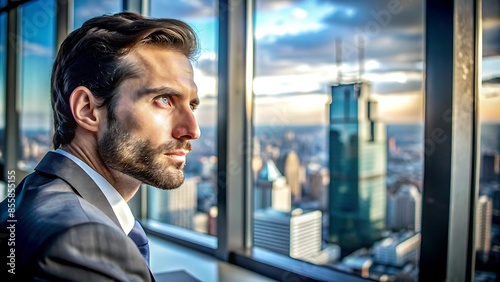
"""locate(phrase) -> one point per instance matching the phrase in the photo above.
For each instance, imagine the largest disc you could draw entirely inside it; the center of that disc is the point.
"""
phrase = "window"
(193, 205)
(37, 54)
(487, 226)
(338, 134)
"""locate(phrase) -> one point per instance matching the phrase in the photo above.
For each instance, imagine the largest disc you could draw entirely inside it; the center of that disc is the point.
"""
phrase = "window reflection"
(37, 54)
(338, 131)
(193, 205)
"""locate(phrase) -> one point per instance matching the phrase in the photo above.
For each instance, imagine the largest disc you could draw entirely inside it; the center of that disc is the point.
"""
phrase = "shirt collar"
(118, 204)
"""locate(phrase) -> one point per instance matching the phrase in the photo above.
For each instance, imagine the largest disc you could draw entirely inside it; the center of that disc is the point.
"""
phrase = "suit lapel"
(64, 168)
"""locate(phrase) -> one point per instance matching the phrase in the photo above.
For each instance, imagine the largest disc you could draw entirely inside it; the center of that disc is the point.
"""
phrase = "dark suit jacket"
(64, 229)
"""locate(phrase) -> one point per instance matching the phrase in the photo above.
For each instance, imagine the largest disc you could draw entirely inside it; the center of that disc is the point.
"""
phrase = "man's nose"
(186, 127)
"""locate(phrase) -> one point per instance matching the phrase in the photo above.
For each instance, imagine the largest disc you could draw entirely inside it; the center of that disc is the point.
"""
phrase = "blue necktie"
(140, 239)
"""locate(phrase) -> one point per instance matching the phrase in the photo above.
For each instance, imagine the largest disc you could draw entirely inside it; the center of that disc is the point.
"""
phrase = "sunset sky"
(295, 58)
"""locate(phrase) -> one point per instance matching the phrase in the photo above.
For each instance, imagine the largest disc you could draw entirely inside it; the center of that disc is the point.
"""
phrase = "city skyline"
(296, 59)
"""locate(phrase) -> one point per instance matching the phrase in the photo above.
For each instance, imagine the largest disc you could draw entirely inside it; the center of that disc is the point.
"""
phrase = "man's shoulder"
(45, 200)
(95, 250)
(46, 207)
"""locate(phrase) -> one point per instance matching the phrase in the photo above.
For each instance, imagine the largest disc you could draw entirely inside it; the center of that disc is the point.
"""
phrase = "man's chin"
(170, 183)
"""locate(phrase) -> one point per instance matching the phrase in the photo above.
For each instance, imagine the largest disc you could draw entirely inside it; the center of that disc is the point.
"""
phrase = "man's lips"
(179, 155)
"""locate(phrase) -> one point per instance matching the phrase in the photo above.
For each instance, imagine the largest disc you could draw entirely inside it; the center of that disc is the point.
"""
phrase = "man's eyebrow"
(157, 90)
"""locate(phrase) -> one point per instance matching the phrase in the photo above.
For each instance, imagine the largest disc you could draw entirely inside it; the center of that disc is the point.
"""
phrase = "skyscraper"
(483, 227)
(358, 158)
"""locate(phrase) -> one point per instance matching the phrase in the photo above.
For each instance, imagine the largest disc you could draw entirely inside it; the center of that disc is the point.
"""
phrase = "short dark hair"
(91, 56)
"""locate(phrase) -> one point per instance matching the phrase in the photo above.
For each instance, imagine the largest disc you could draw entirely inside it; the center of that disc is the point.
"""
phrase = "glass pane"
(487, 227)
(86, 9)
(338, 133)
(37, 55)
(3, 77)
(193, 205)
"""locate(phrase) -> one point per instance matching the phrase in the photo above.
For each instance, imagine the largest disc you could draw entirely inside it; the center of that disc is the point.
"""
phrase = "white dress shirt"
(119, 205)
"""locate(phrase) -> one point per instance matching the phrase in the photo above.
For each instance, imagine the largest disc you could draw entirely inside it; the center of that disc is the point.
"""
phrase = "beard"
(135, 156)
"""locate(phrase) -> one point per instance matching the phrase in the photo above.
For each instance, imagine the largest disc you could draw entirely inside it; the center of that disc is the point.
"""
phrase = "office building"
(403, 208)
(296, 234)
(398, 249)
(358, 157)
(483, 227)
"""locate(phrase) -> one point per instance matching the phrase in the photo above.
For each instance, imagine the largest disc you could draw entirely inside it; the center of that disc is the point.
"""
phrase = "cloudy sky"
(296, 58)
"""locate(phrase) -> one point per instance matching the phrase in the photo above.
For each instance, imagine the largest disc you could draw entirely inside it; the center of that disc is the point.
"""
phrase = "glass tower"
(358, 158)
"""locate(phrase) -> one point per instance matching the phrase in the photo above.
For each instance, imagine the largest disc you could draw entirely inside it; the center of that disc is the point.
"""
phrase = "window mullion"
(233, 122)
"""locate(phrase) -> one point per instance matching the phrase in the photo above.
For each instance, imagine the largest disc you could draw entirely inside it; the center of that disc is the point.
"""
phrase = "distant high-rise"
(271, 189)
(292, 174)
(177, 206)
(296, 234)
(358, 160)
(404, 209)
(483, 227)
(490, 166)
(496, 207)
(316, 186)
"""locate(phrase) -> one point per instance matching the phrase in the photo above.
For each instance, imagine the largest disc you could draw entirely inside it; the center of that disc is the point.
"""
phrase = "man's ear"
(84, 108)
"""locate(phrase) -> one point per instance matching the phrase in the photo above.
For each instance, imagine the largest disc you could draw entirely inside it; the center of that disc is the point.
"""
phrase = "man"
(123, 97)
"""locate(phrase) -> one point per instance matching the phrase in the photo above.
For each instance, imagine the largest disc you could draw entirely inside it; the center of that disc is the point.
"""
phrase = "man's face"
(147, 136)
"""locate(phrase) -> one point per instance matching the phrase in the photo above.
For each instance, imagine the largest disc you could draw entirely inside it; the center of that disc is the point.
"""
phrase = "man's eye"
(163, 100)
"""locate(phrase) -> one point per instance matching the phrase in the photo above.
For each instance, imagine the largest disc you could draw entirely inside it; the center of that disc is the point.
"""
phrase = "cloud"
(317, 49)
(35, 49)
(267, 5)
(208, 66)
(390, 38)
(186, 9)
(368, 14)
(87, 9)
(393, 39)
(398, 88)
